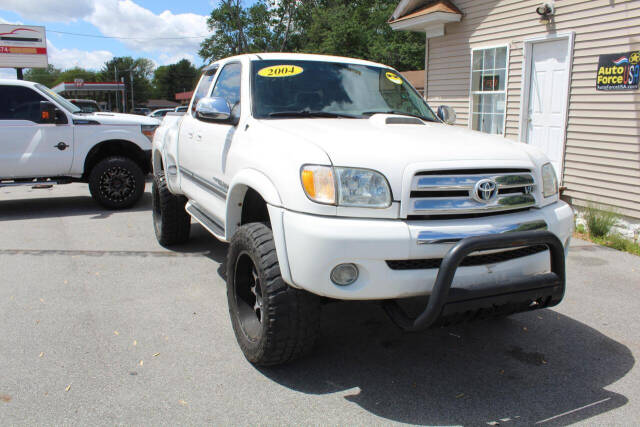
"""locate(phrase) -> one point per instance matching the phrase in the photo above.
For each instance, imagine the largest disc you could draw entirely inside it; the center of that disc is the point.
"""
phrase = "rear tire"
(171, 222)
(273, 322)
(116, 182)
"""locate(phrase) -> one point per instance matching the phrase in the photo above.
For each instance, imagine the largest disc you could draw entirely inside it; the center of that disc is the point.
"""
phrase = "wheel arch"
(243, 188)
(114, 147)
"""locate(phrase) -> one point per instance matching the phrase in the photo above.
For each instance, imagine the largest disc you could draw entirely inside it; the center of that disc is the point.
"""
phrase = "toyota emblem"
(485, 190)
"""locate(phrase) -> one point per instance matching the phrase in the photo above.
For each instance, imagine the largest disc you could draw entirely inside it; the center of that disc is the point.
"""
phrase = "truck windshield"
(67, 105)
(331, 89)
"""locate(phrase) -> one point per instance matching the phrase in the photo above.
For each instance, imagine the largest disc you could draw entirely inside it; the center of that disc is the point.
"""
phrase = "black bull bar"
(522, 294)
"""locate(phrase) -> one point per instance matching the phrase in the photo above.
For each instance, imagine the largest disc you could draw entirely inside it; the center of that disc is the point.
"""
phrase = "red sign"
(24, 50)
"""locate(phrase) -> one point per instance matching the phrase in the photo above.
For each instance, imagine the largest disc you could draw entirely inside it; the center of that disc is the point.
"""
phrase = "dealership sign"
(618, 71)
(23, 46)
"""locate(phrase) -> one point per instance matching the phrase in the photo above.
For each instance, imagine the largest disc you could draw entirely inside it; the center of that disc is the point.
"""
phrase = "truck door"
(209, 143)
(28, 147)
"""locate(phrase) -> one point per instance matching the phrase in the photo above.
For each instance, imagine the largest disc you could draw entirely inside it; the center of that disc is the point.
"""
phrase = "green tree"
(171, 79)
(141, 69)
(267, 25)
(46, 76)
(354, 28)
(76, 73)
(359, 28)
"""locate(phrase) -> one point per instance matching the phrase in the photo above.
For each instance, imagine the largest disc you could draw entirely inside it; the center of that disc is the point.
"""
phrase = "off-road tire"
(130, 176)
(290, 317)
(171, 222)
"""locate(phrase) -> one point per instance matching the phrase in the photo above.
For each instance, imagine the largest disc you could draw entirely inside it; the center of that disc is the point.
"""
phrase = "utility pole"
(124, 95)
(115, 75)
(131, 77)
(19, 73)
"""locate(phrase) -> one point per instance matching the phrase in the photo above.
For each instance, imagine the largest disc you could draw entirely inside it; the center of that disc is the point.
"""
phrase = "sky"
(164, 31)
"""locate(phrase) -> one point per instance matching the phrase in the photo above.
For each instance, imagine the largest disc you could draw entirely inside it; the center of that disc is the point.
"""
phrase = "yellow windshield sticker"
(281, 71)
(393, 78)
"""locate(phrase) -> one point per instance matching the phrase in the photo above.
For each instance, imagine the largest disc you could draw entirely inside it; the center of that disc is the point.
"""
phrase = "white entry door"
(546, 115)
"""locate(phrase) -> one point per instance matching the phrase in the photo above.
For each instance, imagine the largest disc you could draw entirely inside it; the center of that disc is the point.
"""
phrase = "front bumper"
(310, 246)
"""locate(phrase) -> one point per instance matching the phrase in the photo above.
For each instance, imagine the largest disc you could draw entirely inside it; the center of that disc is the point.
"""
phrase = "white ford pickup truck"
(44, 138)
(332, 179)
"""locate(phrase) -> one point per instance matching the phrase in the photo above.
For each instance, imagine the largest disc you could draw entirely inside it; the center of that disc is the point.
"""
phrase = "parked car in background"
(160, 112)
(142, 111)
(332, 177)
(46, 138)
(86, 105)
(181, 109)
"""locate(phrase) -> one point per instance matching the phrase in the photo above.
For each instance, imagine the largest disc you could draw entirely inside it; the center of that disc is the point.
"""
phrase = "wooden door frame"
(526, 86)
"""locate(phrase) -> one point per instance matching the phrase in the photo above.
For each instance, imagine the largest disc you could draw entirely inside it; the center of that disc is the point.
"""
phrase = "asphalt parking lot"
(101, 325)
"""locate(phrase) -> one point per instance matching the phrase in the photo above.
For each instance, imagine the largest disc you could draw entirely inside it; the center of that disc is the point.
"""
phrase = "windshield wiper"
(401, 113)
(308, 113)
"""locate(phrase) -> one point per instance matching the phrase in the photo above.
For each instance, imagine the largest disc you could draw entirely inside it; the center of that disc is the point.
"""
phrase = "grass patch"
(618, 242)
(598, 230)
(599, 221)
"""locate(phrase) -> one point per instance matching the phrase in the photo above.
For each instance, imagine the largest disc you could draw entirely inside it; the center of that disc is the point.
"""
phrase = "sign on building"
(23, 46)
(619, 71)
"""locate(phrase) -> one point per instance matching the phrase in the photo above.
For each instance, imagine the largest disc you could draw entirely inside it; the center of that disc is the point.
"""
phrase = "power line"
(126, 38)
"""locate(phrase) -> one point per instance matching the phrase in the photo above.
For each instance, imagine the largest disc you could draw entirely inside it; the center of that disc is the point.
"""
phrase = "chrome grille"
(471, 192)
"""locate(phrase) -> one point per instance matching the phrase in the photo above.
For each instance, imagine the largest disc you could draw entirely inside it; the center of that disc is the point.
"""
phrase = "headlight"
(353, 187)
(148, 130)
(549, 181)
(362, 187)
(319, 184)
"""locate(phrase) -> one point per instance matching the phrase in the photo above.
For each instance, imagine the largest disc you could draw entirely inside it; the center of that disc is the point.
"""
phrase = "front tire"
(273, 322)
(171, 222)
(116, 182)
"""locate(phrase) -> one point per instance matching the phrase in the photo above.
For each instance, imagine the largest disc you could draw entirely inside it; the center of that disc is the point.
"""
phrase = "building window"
(488, 89)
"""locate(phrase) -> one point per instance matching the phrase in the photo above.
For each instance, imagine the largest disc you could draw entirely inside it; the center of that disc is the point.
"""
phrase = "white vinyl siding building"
(592, 136)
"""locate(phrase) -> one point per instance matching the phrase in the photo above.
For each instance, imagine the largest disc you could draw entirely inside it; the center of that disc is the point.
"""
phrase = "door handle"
(199, 137)
(189, 134)
(61, 146)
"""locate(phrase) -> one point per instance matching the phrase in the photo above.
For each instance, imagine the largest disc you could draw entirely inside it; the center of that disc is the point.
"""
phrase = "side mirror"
(213, 109)
(47, 112)
(446, 114)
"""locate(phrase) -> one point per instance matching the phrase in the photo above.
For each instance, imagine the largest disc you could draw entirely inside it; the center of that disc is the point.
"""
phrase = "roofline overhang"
(432, 24)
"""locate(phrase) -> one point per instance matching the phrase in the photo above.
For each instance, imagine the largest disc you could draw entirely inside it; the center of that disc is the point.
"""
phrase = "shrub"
(618, 242)
(599, 221)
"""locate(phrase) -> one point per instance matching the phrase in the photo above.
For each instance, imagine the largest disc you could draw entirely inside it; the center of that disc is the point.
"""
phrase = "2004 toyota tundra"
(331, 177)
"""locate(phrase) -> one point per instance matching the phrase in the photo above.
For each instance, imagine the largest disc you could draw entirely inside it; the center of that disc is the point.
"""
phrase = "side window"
(228, 84)
(20, 103)
(203, 88)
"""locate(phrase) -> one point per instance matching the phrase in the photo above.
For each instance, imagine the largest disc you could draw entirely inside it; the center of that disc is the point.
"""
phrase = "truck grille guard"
(542, 290)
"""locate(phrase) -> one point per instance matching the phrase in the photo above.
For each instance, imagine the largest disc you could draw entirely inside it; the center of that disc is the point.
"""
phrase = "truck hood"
(376, 143)
(106, 118)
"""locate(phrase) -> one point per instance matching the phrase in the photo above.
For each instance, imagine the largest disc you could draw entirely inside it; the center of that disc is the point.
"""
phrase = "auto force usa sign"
(23, 46)
(619, 71)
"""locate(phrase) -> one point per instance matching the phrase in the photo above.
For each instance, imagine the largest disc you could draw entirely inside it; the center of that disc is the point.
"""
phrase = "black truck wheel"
(273, 322)
(116, 182)
(171, 222)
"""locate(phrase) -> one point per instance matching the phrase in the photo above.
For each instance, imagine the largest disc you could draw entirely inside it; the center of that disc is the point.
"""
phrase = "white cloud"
(172, 59)
(69, 58)
(8, 73)
(50, 10)
(4, 21)
(150, 32)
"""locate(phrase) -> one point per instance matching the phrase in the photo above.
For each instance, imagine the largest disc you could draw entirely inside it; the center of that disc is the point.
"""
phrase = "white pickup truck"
(44, 138)
(331, 177)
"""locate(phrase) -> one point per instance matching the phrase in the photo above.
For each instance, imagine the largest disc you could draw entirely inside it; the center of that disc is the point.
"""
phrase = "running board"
(206, 221)
(34, 184)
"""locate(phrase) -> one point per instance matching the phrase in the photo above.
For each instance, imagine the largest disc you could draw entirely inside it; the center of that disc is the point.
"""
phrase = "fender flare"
(241, 182)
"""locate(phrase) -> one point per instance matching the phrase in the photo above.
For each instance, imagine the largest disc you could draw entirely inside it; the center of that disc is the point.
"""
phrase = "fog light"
(344, 274)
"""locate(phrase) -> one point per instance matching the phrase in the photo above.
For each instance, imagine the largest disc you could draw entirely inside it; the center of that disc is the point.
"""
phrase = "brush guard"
(447, 303)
